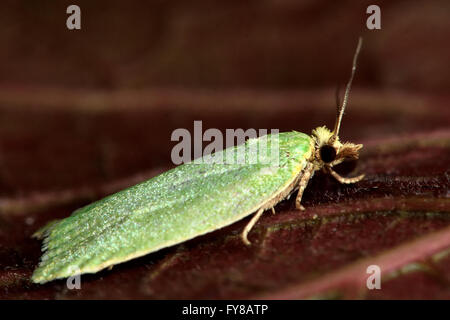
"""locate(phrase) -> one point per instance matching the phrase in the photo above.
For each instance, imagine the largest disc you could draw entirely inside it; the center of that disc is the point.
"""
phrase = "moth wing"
(180, 204)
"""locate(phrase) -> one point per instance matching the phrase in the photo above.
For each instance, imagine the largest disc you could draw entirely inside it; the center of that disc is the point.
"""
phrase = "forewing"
(177, 205)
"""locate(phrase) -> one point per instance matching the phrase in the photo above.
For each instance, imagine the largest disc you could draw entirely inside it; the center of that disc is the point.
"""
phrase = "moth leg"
(250, 225)
(302, 185)
(342, 179)
(273, 210)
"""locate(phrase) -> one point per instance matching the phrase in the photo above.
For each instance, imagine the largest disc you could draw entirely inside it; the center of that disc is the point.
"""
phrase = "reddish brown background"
(86, 113)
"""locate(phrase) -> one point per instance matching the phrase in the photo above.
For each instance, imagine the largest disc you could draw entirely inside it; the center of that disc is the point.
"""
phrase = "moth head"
(329, 151)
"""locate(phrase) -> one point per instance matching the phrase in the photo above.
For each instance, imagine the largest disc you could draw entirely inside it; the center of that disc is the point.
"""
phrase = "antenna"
(341, 109)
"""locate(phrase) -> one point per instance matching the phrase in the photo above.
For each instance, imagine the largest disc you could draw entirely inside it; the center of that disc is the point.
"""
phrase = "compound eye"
(327, 153)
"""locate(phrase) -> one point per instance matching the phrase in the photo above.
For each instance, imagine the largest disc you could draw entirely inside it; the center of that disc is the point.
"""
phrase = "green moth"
(190, 200)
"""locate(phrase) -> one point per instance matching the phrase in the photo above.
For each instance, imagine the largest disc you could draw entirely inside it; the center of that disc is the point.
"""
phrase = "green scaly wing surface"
(180, 204)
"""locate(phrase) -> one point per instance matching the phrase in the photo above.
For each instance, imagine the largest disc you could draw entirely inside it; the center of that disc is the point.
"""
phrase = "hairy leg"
(250, 225)
(307, 172)
(343, 179)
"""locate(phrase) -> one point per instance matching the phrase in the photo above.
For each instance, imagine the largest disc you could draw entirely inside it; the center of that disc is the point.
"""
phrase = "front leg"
(307, 172)
(342, 179)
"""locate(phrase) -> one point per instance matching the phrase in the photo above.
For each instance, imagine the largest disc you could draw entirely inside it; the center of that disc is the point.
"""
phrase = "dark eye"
(327, 153)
